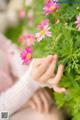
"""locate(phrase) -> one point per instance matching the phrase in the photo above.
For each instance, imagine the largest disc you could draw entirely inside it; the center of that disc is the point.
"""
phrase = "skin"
(44, 72)
(41, 100)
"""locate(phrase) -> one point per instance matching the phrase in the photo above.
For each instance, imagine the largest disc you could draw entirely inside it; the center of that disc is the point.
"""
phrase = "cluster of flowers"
(28, 40)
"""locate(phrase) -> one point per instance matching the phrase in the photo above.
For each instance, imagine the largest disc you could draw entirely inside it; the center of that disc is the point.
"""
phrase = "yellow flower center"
(52, 8)
(42, 32)
(28, 56)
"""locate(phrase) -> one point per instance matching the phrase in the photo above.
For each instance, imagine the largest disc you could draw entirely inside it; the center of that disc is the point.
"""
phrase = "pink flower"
(26, 55)
(29, 39)
(21, 39)
(22, 14)
(43, 24)
(50, 7)
(43, 30)
(78, 22)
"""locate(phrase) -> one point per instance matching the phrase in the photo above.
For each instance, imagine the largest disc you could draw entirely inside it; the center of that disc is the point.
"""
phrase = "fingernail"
(61, 65)
(55, 56)
(50, 57)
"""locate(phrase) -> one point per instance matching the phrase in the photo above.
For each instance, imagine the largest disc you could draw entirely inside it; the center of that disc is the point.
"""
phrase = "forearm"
(15, 97)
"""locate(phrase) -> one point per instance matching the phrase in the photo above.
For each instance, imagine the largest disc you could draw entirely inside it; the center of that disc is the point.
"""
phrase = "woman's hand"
(43, 71)
(41, 101)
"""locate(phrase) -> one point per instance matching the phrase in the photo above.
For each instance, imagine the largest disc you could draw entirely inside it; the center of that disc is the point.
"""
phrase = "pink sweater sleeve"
(13, 55)
(5, 78)
(18, 69)
(16, 96)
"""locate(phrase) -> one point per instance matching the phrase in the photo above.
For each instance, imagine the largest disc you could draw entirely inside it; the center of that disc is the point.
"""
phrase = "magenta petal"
(24, 55)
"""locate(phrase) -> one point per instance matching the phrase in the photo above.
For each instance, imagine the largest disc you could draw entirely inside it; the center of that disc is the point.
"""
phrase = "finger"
(44, 66)
(32, 105)
(44, 101)
(48, 96)
(38, 102)
(58, 89)
(58, 76)
(50, 71)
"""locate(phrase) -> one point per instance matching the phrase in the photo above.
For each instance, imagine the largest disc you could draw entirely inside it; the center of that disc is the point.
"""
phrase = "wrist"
(31, 83)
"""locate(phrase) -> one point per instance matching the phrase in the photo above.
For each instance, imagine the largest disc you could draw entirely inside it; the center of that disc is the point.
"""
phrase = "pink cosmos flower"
(43, 30)
(78, 22)
(21, 39)
(22, 14)
(30, 39)
(43, 24)
(27, 39)
(50, 7)
(26, 55)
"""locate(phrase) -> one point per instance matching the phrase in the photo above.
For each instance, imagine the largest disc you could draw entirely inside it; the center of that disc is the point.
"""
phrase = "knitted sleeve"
(16, 96)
